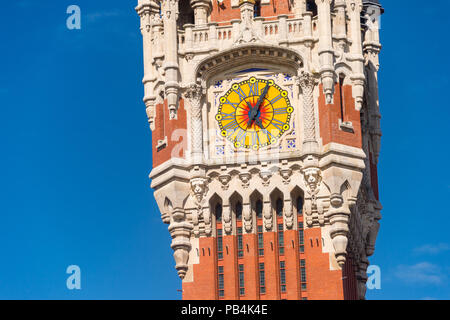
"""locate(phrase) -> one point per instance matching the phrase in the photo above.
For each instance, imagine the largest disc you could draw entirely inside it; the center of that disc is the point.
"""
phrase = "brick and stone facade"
(296, 220)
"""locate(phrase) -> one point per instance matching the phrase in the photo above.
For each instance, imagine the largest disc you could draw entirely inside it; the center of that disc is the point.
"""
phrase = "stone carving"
(247, 34)
(338, 216)
(224, 180)
(265, 176)
(268, 220)
(181, 245)
(227, 219)
(248, 220)
(361, 277)
(245, 178)
(194, 94)
(199, 189)
(289, 218)
(169, 11)
(326, 52)
(307, 83)
(313, 208)
(286, 175)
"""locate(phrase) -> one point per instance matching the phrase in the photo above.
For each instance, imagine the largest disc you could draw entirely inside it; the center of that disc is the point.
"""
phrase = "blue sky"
(77, 154)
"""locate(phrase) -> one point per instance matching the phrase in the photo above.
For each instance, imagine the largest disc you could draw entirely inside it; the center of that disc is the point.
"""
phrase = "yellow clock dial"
(254, 113)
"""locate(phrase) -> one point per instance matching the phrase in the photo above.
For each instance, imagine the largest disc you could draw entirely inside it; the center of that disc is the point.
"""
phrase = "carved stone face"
(199, 188)
(312, 177)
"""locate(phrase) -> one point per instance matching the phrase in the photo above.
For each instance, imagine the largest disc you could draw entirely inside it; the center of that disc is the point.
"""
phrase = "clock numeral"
(232, 104)
(255, 138)
(276, 99)
(230, 125)
(254, 89)
(268, 135)
(278, 124)
(227, 116)
(279, 111)
(241, 93)
(240, 137)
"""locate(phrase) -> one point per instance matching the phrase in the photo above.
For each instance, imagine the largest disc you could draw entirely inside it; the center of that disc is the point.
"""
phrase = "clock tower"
(266, 134)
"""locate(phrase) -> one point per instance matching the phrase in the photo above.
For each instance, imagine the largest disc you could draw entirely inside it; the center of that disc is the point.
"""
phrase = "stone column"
(194, 95)
(326, 52)
(170, 17)
(299, 7)
(213, 36)
(308, 38)
(235, 26)
(307, 84)
(354, 12)
(283, 29)
(247, 8)
(147, 10)
(340, 25)
(202, 9)
(188, 34)
(372, 48)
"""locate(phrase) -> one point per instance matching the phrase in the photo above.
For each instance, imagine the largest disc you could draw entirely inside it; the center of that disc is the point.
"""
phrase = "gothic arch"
(255, 196)
(342, 68)
(254, 55)
(213, 202)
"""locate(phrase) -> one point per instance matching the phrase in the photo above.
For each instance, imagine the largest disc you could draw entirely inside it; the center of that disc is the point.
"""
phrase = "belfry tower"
(266, 134)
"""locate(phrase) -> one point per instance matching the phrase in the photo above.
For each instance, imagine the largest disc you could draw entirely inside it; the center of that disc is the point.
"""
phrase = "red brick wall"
(165, 128)
(329, 115)
(225, 13)
(292, 259)
(204, 286)
(271, 266)
(250, 261)
(322, 283)
(230, 268)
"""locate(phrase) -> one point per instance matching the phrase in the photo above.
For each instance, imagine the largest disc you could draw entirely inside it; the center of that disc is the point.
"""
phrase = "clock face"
(254, 113)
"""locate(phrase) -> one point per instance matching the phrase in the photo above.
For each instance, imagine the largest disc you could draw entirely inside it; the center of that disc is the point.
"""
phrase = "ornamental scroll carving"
(194, 94)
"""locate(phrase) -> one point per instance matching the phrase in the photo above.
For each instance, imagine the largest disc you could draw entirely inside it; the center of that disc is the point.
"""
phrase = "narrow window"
(280, 239)
(221, 282)
(283, 276)
(279, 207)
(219, 244)
(218, 211)
(238, 210)
(262, 279)
(299, 205)
(341, 96)
(241, 280)
(240, 243)
(301, 237)
(260, 241)
(257, 8)
(259, 209)
(303, 274)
